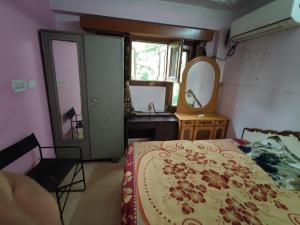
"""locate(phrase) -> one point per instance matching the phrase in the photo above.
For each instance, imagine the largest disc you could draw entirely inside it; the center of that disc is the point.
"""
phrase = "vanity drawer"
(205, 122)
(221, 122)
(188, 123)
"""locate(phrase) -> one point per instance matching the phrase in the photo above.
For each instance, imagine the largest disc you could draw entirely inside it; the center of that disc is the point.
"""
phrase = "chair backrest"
(71, 113)
(17, 150)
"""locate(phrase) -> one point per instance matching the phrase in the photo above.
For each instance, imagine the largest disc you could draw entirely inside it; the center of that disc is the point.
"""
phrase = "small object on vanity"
(151, 107)
(196, 108)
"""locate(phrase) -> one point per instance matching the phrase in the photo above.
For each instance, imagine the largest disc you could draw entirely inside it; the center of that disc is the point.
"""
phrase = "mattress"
(201, 183)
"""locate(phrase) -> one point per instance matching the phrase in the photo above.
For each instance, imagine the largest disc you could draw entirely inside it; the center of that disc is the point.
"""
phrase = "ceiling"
(225, 5)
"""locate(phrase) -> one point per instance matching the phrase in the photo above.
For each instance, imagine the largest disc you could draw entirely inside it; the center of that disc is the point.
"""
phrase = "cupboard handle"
(95, 101)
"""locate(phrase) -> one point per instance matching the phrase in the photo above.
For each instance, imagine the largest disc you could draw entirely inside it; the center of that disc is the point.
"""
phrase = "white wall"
(141, 96)
(217, 48)
(262, 84)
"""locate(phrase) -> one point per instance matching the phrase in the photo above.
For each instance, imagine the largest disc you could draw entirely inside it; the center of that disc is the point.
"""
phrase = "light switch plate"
(19, 85)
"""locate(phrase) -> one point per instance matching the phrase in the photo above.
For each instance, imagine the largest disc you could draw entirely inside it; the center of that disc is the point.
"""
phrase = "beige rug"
(101, 201)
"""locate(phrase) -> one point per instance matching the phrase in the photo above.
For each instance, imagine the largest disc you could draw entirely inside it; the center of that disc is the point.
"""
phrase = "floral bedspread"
(201, 183)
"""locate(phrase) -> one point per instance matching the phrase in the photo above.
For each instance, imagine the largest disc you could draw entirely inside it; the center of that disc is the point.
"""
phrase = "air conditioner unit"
(275, 16)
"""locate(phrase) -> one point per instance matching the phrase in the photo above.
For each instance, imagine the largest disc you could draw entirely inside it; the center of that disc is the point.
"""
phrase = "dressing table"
(197, 101)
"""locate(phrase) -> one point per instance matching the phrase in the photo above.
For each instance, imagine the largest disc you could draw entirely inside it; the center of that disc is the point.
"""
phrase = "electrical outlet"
(31, 84)
(59, 82)
(19, 85)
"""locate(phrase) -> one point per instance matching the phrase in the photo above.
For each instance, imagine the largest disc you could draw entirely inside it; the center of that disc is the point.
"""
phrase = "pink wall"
(261, 84)
(65, 56)
(20, 59)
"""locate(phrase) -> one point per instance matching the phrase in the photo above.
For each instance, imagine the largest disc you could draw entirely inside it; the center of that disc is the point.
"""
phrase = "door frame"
(46, 37)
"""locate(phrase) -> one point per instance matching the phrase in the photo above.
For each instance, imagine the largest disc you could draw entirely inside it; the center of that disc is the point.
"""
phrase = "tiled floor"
(100, 203)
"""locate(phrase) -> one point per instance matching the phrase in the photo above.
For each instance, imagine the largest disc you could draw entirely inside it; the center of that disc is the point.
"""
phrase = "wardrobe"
(84, 76)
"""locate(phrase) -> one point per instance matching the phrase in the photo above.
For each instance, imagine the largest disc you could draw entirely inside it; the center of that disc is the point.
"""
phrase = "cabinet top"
(205, 116)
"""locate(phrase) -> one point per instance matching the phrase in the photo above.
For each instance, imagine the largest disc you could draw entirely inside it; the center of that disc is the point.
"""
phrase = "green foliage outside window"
(148, 60)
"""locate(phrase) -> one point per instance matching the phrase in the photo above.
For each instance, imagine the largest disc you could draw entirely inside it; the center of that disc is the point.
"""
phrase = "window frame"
(179, 46)
(156, 40)
(186, 47)
(144, 41)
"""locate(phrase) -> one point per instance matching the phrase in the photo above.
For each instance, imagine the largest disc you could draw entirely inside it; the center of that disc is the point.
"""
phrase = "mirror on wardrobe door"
(65, 56)
(64, 64)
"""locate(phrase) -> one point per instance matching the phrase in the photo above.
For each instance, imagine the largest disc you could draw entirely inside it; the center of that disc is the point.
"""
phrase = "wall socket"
(31, 84)
(59, 82)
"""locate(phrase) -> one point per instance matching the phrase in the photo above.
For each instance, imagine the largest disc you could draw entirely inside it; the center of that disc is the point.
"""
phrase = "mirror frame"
(210, 107)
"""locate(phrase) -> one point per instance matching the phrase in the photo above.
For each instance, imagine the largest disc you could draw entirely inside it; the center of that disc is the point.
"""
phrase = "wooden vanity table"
(205, 126)
(197, 118)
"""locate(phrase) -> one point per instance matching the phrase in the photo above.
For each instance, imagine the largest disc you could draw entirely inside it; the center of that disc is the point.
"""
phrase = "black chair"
(76, 123)
(49, 172)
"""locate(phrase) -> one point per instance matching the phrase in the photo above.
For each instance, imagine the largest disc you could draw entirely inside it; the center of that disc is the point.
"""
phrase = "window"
(174, 54)
(163, 62)
(148, 61)
(184, 60)
(152, 61)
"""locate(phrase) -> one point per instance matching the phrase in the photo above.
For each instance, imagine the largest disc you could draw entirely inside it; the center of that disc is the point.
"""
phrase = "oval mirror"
(198, 93)
(199, 84)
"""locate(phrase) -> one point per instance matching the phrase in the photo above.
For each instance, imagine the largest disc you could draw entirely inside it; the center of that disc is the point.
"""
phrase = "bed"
(203, 183)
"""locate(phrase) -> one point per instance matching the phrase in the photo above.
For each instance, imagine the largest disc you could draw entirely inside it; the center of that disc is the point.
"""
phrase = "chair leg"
(83, 176)
(59, 207)
(76, 172)
(68, 192)
(72, 134)
(77, 133)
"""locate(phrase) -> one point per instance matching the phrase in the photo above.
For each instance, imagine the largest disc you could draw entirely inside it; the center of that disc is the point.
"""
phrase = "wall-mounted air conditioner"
(277, 15)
